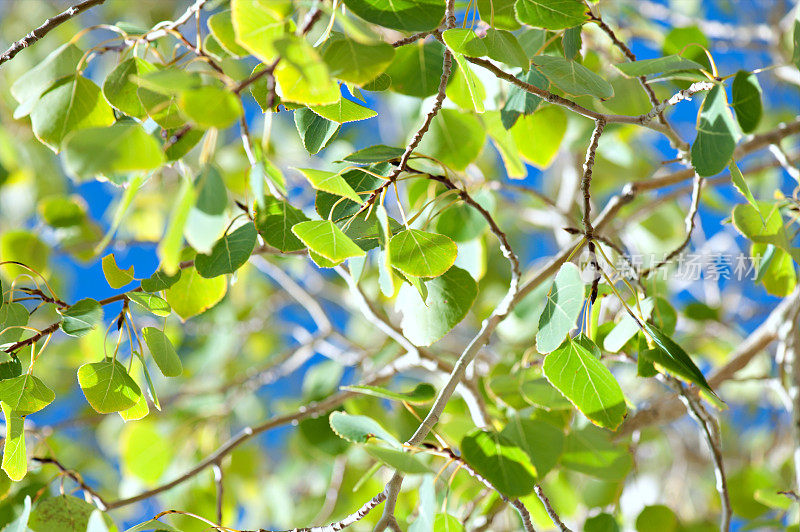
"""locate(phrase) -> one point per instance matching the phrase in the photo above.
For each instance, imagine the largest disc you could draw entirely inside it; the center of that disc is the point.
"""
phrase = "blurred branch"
(95, 497)
(46, 27)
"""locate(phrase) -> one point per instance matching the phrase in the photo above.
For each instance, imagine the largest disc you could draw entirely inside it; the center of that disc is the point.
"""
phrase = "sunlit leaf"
(564, 304)
(499, 461)
(107, 386)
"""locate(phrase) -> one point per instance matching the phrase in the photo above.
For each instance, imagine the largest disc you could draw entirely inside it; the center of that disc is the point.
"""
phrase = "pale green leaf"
(450, 297)
(15, 457)
(25, 394)
(360, 429)
(151, 303)
(422, 393)
(401, 461)
(587, 383)
(564, 304)
(746, 100)
(344, 111)
(573, 78)
(115, 276)
(210, 106)
(193, 294)
(325, 238)
(552, 14)
(82, 317)
(499, 461)
(356, 62)
(162, 351)
(329, 182)
(422, 254)
(274, 222)
(646, 67)
(72, 104)
(107, 386)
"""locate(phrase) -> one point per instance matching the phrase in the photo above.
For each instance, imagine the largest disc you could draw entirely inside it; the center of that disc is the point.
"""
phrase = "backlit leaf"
(229, 253)
(359, 429)
(422, 254)
(551, 14)
(716, 135)
(81, 317)
(107, 386)
(499, 461)
(746, 100)
(573, 78)
(193, 294)
(25, 394)
(587, 383)
(564, 304)
(325, 238)
(162, 351)
(403, 15)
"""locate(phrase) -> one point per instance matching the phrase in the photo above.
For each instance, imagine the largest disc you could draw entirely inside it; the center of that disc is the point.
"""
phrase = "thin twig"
(711, 434)
(586, 183)
(96, 498)
(47, 26)
(689, 223)
(549, 509)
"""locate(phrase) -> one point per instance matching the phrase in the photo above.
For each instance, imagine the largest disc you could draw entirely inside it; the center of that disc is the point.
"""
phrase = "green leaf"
(21, 523)
(646, 67)
(121, 91)
(541, 441)
(741, 185)
(72, 104)
(107, 386)
(402, 15)
(82, 317)
(25, 394)
(160, 281)
(422, 393)
(777, 270)
(571, 42)
(333, 207)
(422, 254)
(665, 518)
(29, 87)
(540, 393)
(498, 14)
(455, 138)
(564, 304)
(325, 238)
(212, 196)
(302, 76)
(146, 453)
(229, 253)
(449, 299)
(359, 429)
(505, 144)
(587, 383)
(150, 303)
(62, 211)
(674, 359)
(499, 461)
(12, 317)
(626, 328)
(590, 450)
(24, 247)
(796, 40)
(62, 513)
(15, 457)
(356, 62)
(221, 27)
(10, 369)
(257, 25)
(746, 100)
(330, 182)
(210, 106)
(375, 154)
(522, 102)
(116, 277)
(761, 223)
(344, 111)
(552, 14)
(548, 125)
(716, 135)
(274, 222)
(401, 461)
(602, 523)
(464, 41)
(315, 130)
(501, 45)
(193, 294)
(163, 353)
(473, 84)
(417, 69)
(573, 78)
(427, 506)
(447, 522)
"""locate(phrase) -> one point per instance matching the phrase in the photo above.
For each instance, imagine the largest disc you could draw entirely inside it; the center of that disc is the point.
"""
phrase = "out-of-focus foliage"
(421, 264)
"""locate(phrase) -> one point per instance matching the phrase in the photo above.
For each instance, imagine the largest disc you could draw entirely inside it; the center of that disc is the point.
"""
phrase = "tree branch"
(586, 183)
(46, 27)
